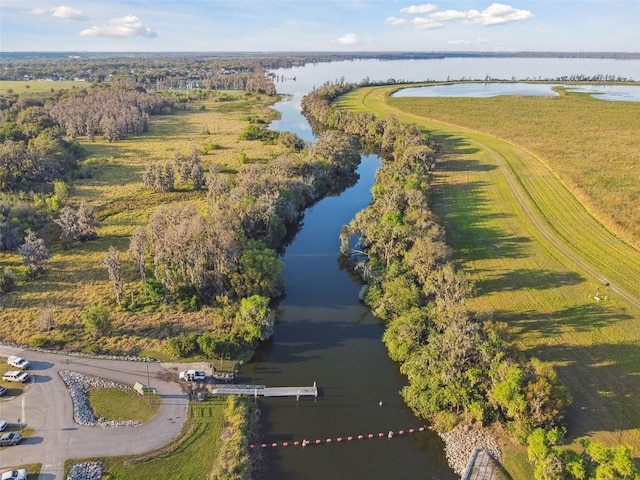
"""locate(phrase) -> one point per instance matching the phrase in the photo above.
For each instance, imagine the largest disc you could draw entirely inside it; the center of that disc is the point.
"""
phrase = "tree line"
(458, 366)
(115, 114)
(33, 146)
(226, 256)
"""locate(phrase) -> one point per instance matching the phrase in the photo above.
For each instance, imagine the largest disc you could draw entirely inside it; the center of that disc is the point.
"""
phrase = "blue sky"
(319, 25)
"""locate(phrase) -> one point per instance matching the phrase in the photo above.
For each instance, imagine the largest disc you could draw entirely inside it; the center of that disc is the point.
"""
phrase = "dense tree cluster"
(33, 149)
(189, 168)
(231, 250)
(235, 334)
(226, 256)
(159, 176)
(112, 113)
(595, 462)
(457, 365)
(146, 68)
(77, 224)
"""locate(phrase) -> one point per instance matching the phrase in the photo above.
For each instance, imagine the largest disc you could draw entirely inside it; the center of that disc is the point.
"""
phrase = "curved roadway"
(46, 407)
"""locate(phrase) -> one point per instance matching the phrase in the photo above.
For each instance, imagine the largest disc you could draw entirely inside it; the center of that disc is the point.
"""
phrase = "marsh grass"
(75, 278)
(519, 277)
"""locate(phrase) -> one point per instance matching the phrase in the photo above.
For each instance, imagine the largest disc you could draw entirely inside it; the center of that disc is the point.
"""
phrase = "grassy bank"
(532, 248)
(189, 457)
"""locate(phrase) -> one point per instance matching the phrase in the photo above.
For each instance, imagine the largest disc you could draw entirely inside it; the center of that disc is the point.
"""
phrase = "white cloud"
(68, 13)
(423, 23)
(63, 12)
(348, 39)
(396, 21)
(419, 9)
(498, 13)
(128, 26)
(448, 15)
(494, 14)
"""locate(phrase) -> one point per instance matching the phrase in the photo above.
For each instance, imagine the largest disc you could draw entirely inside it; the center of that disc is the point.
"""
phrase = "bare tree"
(87, 223)
(68, 222)
(34, 253)
(197, 176)
(114, 267)
(138, 250)
(45, 317)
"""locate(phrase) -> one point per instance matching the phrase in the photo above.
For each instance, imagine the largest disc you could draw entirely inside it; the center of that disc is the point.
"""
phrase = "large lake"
(325, 334)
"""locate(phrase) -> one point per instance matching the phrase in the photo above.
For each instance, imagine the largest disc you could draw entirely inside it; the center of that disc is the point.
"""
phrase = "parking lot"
(46, 407)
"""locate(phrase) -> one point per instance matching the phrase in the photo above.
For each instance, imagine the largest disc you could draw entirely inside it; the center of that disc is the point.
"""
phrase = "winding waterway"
(325, 334)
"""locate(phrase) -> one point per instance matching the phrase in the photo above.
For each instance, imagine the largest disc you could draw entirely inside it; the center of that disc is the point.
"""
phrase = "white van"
(192, 376)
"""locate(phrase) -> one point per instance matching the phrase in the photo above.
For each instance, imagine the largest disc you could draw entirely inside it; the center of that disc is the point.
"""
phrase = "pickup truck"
(18, 362)
(11, 438)
(16, 376)
(192, 376)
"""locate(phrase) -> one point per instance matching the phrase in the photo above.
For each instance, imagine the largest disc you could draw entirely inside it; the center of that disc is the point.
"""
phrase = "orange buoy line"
(305, 442)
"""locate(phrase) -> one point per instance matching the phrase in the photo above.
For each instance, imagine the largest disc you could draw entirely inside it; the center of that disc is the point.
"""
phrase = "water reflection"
(628, 93)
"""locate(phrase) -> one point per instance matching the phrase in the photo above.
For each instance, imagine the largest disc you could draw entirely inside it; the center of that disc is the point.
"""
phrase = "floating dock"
(263, 391)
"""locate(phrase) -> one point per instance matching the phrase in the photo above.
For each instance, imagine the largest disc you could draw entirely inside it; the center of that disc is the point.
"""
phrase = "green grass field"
(537, 257)
(190, 457)
(122, 405)
(38, 86)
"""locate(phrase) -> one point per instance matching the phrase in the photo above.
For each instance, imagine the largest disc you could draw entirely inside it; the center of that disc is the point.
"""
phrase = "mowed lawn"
(77, 278)
(537, 257)
(37, 86)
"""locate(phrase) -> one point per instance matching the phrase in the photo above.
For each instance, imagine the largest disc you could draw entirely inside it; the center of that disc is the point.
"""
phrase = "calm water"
(477, 90)
(622, 93)
(325, 334)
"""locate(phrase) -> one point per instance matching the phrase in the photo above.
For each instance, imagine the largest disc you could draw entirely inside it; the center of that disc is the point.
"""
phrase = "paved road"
(46, 407)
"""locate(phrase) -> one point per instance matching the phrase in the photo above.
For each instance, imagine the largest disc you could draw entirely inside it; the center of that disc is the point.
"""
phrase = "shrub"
(7, 280)
(98, 321)
(185, 345)
(39, 341)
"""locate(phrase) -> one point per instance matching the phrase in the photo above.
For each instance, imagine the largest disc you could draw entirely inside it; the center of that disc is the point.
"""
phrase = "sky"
(319, 25)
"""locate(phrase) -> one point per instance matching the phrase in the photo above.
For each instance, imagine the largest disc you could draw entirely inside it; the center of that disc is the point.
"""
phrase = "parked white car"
(18, 362)
(16, 376)
(192, 376)
(14, 475)
(11, 438)
(3, 424)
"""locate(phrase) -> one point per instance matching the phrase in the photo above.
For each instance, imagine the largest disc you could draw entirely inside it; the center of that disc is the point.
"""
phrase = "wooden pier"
(263, 391)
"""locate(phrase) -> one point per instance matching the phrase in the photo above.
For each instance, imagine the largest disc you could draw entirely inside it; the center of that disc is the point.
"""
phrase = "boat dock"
(481, 467)
(263, 391)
